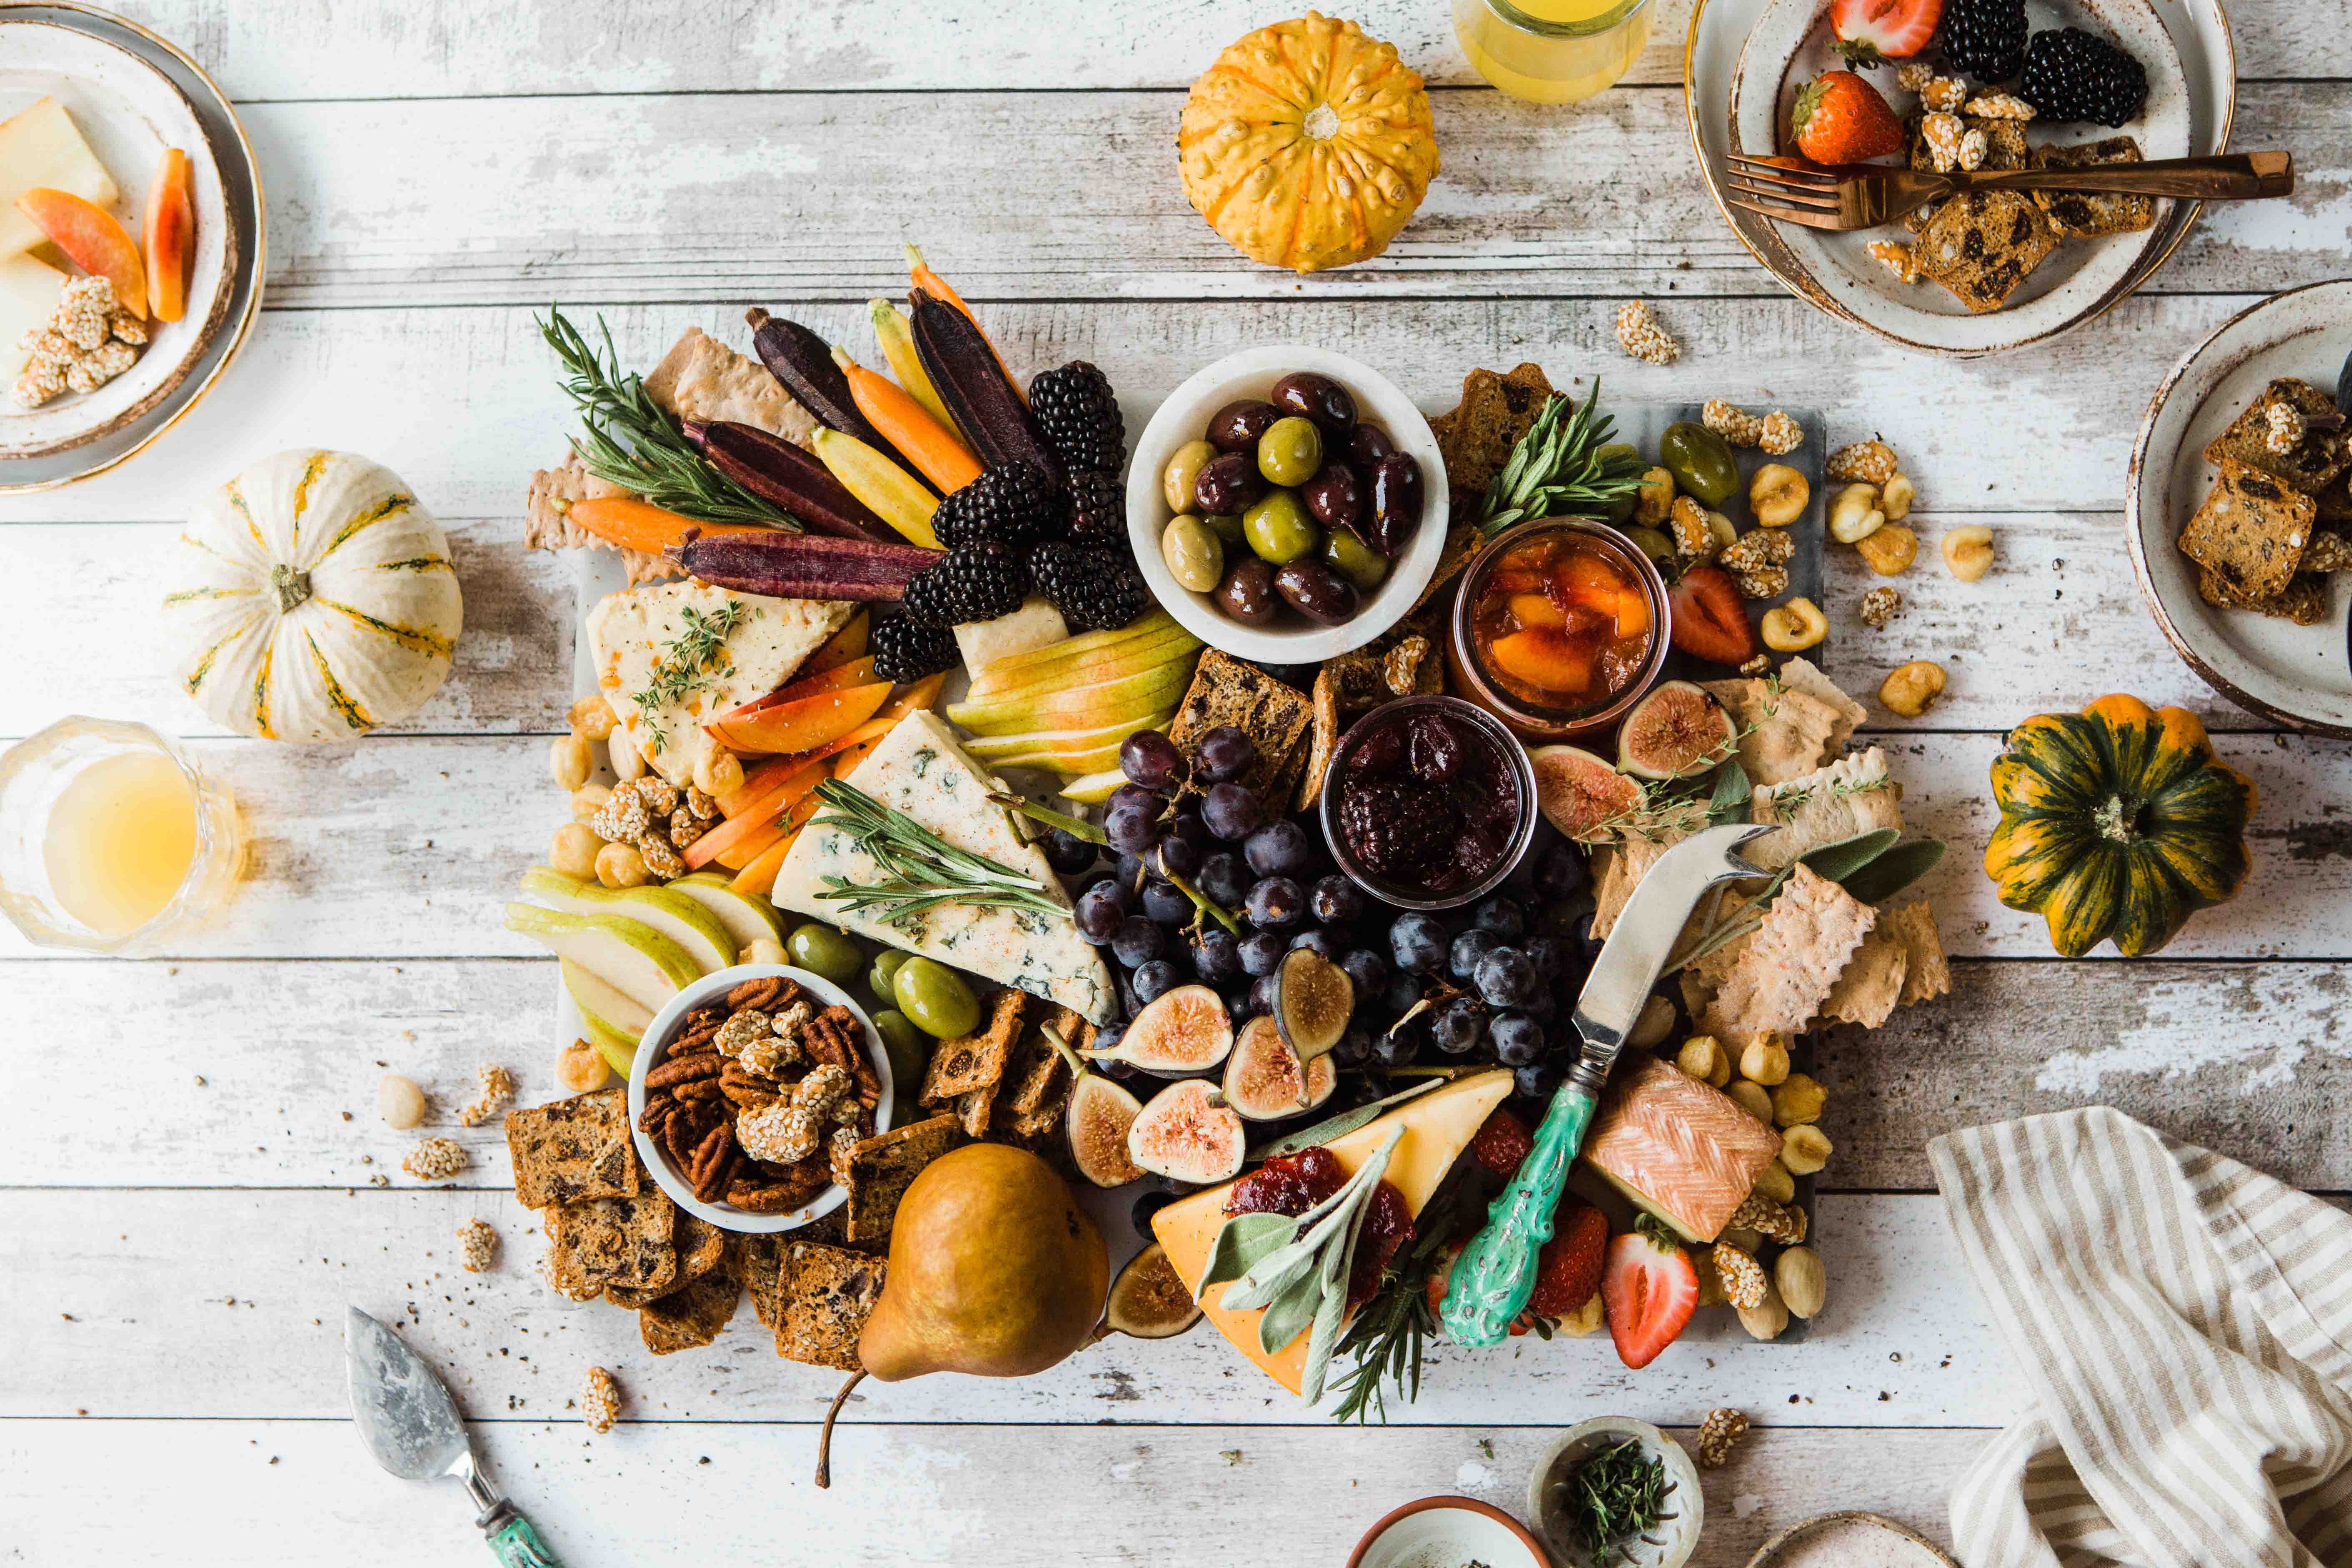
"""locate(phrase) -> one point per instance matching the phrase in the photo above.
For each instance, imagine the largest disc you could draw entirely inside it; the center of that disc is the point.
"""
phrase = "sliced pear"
(628, 955)
(1069, 752)
(748, 917)
(1093, 789)
(1073, 706)
(1093, 655)
(677, 916)
(613, 1022)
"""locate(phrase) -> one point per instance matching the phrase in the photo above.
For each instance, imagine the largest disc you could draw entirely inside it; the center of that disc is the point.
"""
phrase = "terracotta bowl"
(1445, 1532)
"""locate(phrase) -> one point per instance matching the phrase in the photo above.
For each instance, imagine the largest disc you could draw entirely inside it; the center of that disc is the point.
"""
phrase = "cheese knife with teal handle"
(1497, 1272)
(412, 1427)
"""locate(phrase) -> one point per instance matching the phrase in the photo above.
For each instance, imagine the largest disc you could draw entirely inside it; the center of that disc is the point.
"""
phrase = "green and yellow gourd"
(2116, 824)
(312, 599)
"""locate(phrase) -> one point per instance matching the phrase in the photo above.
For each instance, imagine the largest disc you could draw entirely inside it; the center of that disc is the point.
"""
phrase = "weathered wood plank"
(442, 49)
(2250, 1059)
(808, 196)
(463, 403)
(1144, 1494)
(240, 1294)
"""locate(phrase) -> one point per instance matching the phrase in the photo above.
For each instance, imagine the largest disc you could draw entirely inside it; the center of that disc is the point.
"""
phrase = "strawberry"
(1840, 119)
(1870, 31)
(1569, 1269)
(1501, 1143)
(1710, 621)
(1650, 1289)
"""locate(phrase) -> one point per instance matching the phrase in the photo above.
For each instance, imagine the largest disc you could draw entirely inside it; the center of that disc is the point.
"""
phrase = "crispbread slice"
(761, 1275)
(1925, 973)
(573, 1149)
(692, 1317)
(2329, 552)
(1854, 795)
(1870, 987)
(2086, 215)
(1788, 965)
(976, 1061)
(2316, 461)
(701, 1246)
(622, 1241)
(1476, 437)
(1784, 733)
(1040, 1079)
(1275, 717)
(881, 1169)
(2250, 532)
(1982, 245)
(826, 1294)
(977, 1112)
(2303, 601)
(1801, 674)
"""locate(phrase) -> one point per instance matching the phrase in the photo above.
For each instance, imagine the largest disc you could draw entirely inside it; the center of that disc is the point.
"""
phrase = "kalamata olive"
(1321, 399)
(1396, 503)
(1335, 496)
(1229, 485)
(1236, 427)
(1367, 444)
(1247, 592)
(1317, 592)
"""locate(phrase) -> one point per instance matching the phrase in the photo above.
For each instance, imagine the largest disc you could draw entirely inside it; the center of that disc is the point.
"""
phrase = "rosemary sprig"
(1560, 469)
(1386, 1338)
(628, 439)
(1612, 1496)
(688, 664)
(920, 870)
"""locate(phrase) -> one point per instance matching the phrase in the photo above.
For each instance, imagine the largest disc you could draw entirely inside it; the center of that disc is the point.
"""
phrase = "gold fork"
(1865, 196)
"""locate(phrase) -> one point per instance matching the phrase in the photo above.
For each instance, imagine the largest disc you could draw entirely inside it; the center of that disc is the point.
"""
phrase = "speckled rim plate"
(2297, 676)
(239, 304)
(1891, 1533)
(1718, 29)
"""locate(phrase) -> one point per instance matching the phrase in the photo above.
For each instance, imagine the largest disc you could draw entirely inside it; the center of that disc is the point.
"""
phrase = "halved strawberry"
(1710, 621)
(1569, 1267)
(1870, 31)
(1501, 1143)
(1649, 1290)
(1840, 119)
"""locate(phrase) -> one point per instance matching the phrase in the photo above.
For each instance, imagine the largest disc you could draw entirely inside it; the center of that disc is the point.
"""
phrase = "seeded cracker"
(976, 1061)
(611, 1241)
(691, 1317)
(1038, 1083)
(1788, 966)
(2084, 215)
(1925, 973)
(1982, 244)
(2303, 601)
(1870, 987)
(881, 1169)
(1477, 437)
(1275, 717)
(701, 1246)
(573, 1149)
(2250, 532)
(826, 1295)
(2315, 462)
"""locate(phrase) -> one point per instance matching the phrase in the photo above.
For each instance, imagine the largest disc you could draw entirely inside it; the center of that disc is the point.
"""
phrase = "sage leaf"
(1325, 1336)
(1338, 1126)
(1271, 1277)
(1241, 1242)
(1842, 859)
(1734, 793)
(1894, 870)
(1289, 1314)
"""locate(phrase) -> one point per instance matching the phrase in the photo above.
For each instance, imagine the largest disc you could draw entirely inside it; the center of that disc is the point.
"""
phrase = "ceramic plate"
(128, 112)
(2296, 675)
(2198, 31)
(133, 93)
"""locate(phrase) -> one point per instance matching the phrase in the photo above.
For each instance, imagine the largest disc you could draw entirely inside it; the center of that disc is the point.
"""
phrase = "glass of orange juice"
(111, 839)
(1552, 51)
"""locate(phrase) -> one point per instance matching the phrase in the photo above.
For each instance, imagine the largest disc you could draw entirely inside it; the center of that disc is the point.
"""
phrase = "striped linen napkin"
(2187, 1326)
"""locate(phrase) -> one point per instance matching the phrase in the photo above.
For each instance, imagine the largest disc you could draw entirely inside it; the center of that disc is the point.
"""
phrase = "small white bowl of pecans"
(750, 1089)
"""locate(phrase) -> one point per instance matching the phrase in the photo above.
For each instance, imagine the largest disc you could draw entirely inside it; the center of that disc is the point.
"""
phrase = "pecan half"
(683, 1069)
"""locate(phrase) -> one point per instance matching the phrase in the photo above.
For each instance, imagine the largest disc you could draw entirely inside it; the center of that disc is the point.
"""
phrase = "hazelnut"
(1704, 1057)
(1778, 1183)
(574, 851)
(570, 760)
(764, 950)
(622, 866)
(1799, 1099)
(1895, 499)
(1908, 688)
(1779, 495)
(592, 718)
(1753, 1098)
(1890, 550)
(621, 749)
(580, 1066)
(1968, 552)
(1804, 1149)
(1855, 514)
(1794, 626)
(589, 799)
(400, 1103)
(1765, 1061)
(719, 772)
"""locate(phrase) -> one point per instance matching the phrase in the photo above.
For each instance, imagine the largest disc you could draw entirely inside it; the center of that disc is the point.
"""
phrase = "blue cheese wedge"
(671, 657)
(918, 769)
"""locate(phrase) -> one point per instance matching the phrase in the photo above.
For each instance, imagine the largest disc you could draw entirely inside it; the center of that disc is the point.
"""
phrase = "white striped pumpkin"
(312, 599)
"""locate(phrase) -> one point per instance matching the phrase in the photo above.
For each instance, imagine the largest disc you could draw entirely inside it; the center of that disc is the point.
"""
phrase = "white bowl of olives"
(1287, 504)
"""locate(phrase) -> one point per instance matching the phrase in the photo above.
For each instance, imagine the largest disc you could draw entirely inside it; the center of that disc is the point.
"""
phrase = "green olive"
(1279, 529)
(1353, 559)
(1651, 543)
(1621, 511)
(887, 964)
(824, 951)
(1290, 452)
(1195, 556)
(910, 1051)
(1700, 460)
(1226, 526)
(934, 998)
(1177, 478)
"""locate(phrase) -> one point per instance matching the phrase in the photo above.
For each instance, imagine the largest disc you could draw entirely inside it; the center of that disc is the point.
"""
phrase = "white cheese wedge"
(41, 147)
(28, 297)
(1034, 625)
(918, 769)
(635, 636)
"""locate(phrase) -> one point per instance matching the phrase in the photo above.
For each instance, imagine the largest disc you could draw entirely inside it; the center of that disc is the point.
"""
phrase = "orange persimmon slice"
(171, 237)
(92, 240)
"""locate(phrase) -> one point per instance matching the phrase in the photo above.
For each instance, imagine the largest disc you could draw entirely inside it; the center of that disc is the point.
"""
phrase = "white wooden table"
(193, 1178)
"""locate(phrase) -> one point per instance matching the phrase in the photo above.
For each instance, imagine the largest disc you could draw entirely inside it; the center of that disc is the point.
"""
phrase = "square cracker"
(826, 1295)
(1870, 987)
(1789, 966)
(691, 1317)
(1853, 795)
(1784, 733)
(702, 378)
(1478, 436)
(602, 1242)
(1224, 690)
(1801, 674)
(1982, 244)
(1925, 973)
(2315, 462)
(2086, 215)
(976, 1061)
(2304, 600)
(2250, 532)
(573, 1149)
(881, 1169)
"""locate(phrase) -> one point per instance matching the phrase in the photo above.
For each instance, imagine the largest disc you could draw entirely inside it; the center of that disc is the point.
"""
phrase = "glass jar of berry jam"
(1429, 802)
(1561, 624)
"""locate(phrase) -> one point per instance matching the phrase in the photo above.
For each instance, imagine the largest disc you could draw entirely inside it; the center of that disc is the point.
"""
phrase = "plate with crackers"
(2239, 509)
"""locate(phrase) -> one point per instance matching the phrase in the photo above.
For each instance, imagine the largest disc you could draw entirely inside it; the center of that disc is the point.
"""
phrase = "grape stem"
(1076, 826)
(1201, 902)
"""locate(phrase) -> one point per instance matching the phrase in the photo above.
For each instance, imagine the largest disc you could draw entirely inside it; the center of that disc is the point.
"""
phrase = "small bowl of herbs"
(1617, 1493)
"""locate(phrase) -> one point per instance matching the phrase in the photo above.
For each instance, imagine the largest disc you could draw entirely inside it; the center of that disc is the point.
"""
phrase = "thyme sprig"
(628, 439)
(689, 663)
(1615, 1494)
(1562, 468)
(920, 870)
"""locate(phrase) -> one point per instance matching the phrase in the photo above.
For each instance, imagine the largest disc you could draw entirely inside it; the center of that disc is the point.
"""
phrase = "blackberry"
(1095, 586)
(904, 650)
(976, 582)
(1097, 506)
(1984, 38)
(1014, 502)
(2074, 75)
(1080, 413)
(1402, 828)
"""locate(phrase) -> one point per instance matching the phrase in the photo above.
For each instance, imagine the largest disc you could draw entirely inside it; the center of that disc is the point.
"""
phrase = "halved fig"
(1264, 1079)
(1313, 999)
(1674, 732)
(1148, 1300)
(1189, 1133)
(1577, 792)
(1187, 1030)
(1096, 1122)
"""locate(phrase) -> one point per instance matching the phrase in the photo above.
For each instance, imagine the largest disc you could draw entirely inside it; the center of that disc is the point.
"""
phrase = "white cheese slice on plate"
(918, 769)
(40, 147)
(28, 298)
(633, 637)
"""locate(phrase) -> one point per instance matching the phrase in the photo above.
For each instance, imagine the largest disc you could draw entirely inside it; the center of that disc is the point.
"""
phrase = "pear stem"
(825, 1433)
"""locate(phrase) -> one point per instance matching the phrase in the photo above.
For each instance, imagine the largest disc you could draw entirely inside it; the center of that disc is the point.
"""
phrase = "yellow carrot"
(889, 491)
(898, 340)
(932, 447)
(920, 271)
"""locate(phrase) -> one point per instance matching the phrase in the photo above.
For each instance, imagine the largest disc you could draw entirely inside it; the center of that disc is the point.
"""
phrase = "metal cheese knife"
(1497, 1272)
(413, 1428)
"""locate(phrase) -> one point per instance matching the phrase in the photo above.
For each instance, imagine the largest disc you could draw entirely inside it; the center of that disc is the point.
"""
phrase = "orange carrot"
(754, 819)
(907, 425)
(737, 856)
(759, 876)
(641, 526)
(919, 272)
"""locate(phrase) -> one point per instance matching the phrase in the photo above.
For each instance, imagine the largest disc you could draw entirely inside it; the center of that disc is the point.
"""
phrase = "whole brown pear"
(994, 1270)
